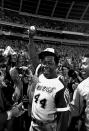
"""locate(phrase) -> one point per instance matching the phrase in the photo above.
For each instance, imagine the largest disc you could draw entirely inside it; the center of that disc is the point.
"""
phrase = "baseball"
(32, 28)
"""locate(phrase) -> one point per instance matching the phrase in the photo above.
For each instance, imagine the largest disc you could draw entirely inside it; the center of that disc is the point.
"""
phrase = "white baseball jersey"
(80, 101)
(43, 105)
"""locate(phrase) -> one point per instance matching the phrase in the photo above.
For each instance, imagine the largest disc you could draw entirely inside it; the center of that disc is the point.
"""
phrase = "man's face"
(26, 79)
(85, 67)
(49, 66)
(65, 71)
(14, 58)
(21, 60)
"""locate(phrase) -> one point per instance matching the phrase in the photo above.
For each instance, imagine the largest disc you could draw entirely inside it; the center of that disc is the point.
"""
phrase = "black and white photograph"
(44, 65)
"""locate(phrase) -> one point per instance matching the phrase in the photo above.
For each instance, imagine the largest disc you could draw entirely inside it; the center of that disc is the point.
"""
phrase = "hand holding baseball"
(32, 30)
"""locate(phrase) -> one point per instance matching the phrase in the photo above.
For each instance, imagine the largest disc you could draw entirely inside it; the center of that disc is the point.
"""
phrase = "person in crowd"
(10, 62)
(49, 99)
(25, 74)
(79, 106)
(7, 111)
(14, 83)
(74, 80)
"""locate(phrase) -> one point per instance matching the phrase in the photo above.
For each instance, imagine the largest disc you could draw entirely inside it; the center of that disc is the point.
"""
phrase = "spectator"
(80, 103)
(7, 111)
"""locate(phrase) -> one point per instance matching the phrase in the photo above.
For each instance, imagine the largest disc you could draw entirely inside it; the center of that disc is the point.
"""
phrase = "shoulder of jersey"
(61, 79)
(84, 83)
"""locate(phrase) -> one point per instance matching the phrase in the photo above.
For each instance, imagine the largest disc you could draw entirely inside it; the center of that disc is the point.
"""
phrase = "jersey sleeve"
(77, 103)
(60, 101)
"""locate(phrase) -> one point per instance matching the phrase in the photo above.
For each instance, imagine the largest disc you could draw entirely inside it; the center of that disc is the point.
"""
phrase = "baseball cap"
(48, 52)
(9, 51)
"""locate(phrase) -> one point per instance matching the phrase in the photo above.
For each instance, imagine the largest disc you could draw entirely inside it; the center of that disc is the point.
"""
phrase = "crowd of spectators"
(67, 53)
(73, 52)
(64, 51)
(14, 17)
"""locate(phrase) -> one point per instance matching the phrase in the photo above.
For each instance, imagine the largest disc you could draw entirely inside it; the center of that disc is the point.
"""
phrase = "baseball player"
(49, 97)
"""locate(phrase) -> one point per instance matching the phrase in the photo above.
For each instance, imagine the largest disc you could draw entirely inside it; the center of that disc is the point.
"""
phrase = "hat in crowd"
(48, 52)
(9, 51)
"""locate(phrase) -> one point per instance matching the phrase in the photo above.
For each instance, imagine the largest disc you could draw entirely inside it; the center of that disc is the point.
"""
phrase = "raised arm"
(31, 47)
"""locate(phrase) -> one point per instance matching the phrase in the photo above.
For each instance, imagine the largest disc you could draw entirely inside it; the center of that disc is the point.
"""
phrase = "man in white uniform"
(49, 97)
(80, 104)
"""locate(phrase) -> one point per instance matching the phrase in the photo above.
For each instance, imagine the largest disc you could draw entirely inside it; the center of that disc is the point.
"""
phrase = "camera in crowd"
(24, 74)
(74, 75)
(23, 71)
(25, 102)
